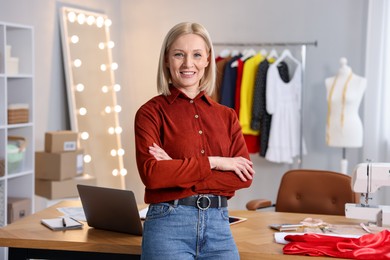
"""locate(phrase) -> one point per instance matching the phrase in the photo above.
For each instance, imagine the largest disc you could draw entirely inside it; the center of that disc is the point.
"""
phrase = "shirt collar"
(175, 93)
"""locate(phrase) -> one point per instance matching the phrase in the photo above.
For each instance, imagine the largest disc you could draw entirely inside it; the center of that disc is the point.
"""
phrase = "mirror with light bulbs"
(92, 90)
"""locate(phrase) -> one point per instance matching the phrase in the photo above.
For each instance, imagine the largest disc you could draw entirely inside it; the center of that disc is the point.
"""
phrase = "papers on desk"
(73, 212)
(61, 223)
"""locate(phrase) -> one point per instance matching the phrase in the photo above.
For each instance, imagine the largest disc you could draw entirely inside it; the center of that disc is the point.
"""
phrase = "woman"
(190, 153)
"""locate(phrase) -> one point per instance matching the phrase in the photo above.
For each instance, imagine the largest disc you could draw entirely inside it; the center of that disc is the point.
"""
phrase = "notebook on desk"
(110, 209)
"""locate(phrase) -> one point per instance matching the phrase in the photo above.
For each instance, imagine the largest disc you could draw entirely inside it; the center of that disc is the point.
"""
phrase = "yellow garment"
(246, 95)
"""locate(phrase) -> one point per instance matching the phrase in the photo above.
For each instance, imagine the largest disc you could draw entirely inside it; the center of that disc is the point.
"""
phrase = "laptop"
(110, 209)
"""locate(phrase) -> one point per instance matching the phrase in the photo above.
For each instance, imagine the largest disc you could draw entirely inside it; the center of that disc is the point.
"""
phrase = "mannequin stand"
(344, 162)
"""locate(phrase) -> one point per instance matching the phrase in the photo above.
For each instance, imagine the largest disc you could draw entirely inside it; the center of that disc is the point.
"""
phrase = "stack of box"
(59, 168)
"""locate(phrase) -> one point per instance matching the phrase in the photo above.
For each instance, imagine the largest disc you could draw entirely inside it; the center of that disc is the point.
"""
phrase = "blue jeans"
(186, 232)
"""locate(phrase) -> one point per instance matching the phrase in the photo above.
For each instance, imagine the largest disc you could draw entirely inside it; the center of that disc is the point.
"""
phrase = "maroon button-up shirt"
(189, 130)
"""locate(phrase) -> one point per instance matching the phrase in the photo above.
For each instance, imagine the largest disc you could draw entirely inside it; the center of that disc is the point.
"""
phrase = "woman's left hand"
(240, 165)
(158, 153)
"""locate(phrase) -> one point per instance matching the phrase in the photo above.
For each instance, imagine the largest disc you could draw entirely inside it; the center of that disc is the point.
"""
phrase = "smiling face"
(187, 59)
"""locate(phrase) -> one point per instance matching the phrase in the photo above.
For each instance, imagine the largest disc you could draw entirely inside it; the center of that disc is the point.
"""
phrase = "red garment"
(218, 58)
(189, 131)
(252, 142)
(369, 246)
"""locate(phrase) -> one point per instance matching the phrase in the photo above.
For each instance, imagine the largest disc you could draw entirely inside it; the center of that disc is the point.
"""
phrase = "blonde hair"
(207, 83)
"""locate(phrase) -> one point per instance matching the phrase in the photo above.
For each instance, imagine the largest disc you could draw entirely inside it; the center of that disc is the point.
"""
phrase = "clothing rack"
(254, 44)
(303, 46)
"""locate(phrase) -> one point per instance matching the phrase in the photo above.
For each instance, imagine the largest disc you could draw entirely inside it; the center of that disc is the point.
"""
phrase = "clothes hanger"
(224, 53)
(247, 53)
(263, 52)
(287, 54)
(272, 54)
(235, 53)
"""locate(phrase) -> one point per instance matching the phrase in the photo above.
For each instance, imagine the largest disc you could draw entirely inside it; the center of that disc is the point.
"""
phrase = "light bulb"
(118, 130)
(110, 44)
(113, 152)
(80, 87)
(103, 67)
(104, 89)
(115, 172)
(77, 63)
(90, 20)
(114, 66)
(87, 158)
(123, 172)
(111, 130)
(121, 152)
(82, 111)
(108, 109)
(118, 108)
(117, 87)
(84, 135)
(99, 21)
(81, 18)
(108, 22)
(71, 17)
(74, 39)
(101, 45)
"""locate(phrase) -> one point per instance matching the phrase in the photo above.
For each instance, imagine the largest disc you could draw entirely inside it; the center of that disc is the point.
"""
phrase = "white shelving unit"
(16, 88)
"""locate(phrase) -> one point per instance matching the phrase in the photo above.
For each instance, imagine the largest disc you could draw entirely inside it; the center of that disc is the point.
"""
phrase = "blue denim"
(174, 232)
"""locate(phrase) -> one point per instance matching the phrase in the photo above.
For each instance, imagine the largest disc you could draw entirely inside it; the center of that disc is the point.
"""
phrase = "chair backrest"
(315, 192)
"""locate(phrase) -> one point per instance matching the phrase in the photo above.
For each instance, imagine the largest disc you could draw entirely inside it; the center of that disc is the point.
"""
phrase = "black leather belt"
(202, 202)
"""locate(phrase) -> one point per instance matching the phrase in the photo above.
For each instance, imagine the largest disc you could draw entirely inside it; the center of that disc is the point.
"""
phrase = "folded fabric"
(369, 246)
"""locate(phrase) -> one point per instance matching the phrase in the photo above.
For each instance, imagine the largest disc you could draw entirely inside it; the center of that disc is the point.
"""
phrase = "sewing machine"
(367, 178)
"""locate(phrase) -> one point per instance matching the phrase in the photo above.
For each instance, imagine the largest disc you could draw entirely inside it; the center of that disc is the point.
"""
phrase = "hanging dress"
(261, 120)
(283, 101)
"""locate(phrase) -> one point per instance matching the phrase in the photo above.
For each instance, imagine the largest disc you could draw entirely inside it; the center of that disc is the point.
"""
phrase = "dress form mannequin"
(344, 94)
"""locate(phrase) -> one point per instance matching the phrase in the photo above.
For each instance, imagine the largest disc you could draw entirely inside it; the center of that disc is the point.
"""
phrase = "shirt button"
(202, 151)
(191, 101)
(200, 132)
(196, 116)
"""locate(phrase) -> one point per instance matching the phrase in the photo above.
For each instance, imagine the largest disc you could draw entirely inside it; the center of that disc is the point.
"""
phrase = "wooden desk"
(27, 238)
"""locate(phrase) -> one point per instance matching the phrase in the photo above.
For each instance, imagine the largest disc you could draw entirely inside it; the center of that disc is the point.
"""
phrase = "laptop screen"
(110, 209)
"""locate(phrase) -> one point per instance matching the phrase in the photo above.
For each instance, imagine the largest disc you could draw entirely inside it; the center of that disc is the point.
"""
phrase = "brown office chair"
(311, 191)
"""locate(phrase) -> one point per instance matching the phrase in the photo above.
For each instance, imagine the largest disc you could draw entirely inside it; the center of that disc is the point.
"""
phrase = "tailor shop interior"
(307, 94)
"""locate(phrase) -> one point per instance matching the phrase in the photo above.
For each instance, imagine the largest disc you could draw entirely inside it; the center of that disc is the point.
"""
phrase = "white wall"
(338, 26)
(138, 29)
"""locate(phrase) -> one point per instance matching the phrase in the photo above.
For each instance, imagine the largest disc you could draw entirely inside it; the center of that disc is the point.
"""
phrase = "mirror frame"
(91, 93)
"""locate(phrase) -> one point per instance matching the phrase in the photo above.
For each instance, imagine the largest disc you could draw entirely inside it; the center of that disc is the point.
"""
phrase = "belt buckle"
(199, 201)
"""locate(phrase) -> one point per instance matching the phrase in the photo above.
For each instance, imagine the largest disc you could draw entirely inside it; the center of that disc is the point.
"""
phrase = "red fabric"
(252, 142)
(218, 58)
(189, 131)
(369, 246)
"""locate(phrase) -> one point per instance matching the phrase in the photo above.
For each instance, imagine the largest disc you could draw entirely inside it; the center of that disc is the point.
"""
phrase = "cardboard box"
(62, 189)
(57, 166)
(61, 141)
(18, 208)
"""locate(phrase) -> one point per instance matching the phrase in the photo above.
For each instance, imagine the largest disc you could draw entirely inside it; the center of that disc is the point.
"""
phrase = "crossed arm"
(241, 166)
